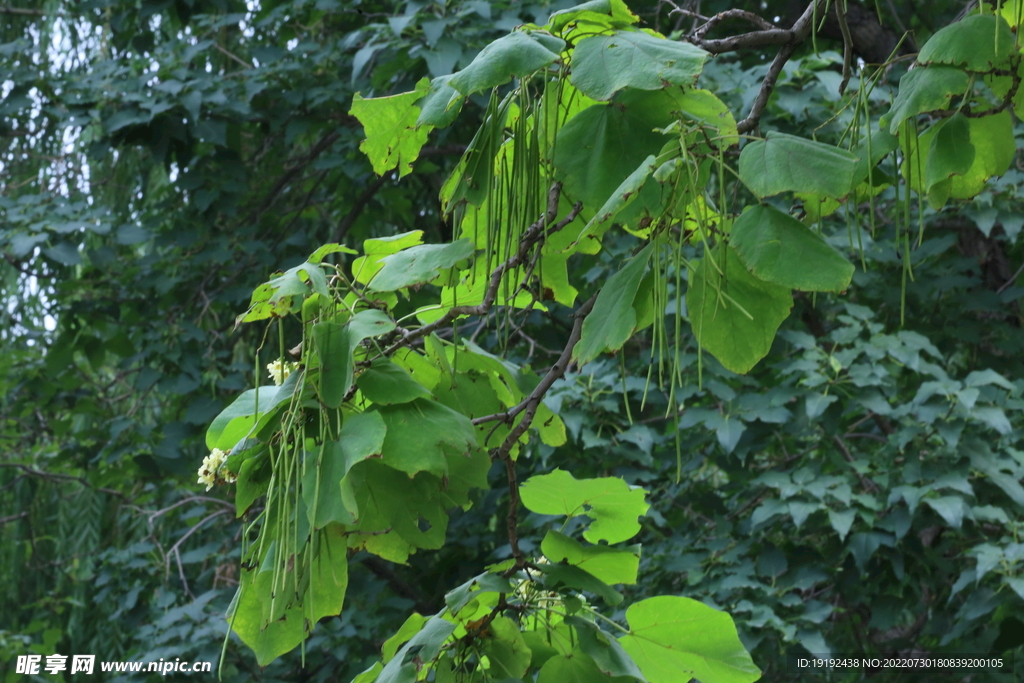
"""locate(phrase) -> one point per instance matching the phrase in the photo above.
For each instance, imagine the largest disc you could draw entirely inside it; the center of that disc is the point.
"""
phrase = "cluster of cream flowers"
(212, 471)
(279, 370)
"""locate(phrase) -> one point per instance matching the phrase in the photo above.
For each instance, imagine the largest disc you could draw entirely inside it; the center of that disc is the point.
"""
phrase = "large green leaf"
(779, 249)
(982, 42)
(395, 514)
(994, 149)
(576, 667)
(393, 136)
(563, 575)
(610, 565)
(612, 504)
(604, 64)
(787, 163)
(606, 13)
(419, 264)
(923, 90)
(507, 652)
(735, 317)
(386, 383)
(376, 249)
(705, 107)
(605, 650)
(623, 195)
(613, 319)
(236, 421)
(602, 145)
(470, 179)
(335, 343)
(420, 432)
(672, 639)
(442, 103)
(362, 437)
(422, 647)
(324, 596)
(487, 582)
(515, 55)
(949, 154)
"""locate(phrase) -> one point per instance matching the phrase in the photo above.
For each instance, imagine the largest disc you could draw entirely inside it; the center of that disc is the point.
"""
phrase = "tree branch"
(529, 408)
(290, 172)
(534, 234)
(790, 40)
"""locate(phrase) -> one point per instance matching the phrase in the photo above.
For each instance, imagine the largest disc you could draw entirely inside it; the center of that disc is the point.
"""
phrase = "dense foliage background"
(858, 491)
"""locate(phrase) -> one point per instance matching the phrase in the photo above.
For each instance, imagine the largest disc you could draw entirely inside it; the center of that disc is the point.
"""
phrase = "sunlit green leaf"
(674, 637)
(393, 136)
(612, 504)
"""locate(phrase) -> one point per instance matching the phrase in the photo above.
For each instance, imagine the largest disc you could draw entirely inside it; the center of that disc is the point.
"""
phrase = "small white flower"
(279, 370)
(210, 470)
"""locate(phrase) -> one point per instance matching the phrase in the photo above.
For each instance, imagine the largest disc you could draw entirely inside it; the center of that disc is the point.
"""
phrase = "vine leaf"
(734, 317)
(777, 248)
(672, 638)
(923, 90)
(982, 42)
(613, 319)
(393, 136)
(612, 504)
(786, 163)
(604, 64)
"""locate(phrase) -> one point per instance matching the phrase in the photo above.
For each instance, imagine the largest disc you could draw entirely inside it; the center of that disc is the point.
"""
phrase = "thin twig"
(529, 409)
(801, 29)
(12, 518)
(1013, 278)
(233, 56)
(844, 28)
(865, 482)
(535, 233)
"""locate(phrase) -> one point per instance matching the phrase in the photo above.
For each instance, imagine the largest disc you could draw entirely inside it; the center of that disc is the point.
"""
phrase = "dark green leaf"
(735, 317)
(786, 163)
(613, 318)
(605, 64)
(777, 248)
(515, 55)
